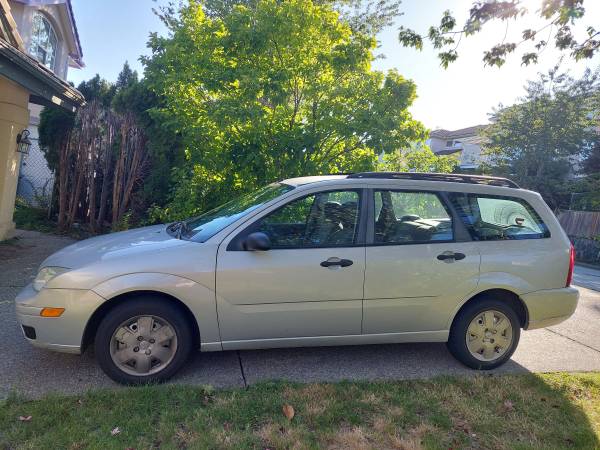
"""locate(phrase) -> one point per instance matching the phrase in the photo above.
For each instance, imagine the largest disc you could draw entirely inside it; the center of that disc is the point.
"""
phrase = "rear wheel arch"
(100, 313)
(512, 299)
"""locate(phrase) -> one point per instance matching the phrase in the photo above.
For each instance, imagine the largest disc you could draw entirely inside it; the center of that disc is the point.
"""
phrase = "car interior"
(498, 219)
(408, 227)
(315, 221)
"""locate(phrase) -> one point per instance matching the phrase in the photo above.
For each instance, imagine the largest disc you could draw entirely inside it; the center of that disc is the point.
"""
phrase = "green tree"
(126, 77)
(535, 142)
(135, 97)
(591, 164)
(277, 90)
(55, 126)
(97, 88)
(418, 158)
(366, 16)
(559, 17)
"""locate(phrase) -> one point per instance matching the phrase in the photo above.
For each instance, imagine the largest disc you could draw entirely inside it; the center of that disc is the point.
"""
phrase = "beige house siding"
(465, 144)
(14, 117)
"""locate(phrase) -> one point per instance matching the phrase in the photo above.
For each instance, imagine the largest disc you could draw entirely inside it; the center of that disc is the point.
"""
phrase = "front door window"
(325, 219)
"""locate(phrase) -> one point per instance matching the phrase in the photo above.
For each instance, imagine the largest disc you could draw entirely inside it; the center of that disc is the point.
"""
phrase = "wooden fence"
(585, 224)
(583, 228)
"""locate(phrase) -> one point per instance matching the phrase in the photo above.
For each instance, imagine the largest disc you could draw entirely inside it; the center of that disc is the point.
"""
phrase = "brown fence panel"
(580, 223)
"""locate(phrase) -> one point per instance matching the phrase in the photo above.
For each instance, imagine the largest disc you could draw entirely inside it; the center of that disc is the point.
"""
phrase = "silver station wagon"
(365, 258)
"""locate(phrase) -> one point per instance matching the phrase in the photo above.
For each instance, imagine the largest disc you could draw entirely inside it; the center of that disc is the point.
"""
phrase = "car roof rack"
(448, 177)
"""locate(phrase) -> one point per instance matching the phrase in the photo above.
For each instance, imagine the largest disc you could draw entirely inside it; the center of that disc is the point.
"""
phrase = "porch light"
(23, 142)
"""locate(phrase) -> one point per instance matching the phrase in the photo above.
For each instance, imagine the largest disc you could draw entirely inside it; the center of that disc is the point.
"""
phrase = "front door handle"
(449, 256)
(337, 262)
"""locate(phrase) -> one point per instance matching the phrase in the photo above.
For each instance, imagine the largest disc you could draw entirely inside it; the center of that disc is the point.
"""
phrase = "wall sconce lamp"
(23, 142)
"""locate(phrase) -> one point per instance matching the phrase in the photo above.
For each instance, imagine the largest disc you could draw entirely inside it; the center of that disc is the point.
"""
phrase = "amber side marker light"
(52, 312)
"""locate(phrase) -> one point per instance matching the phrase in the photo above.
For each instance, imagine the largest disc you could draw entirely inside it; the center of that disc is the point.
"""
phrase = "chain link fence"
(36, 180)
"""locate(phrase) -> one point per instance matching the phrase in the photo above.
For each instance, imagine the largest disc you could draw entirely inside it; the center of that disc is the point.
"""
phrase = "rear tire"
(484, 334)
(143, 340)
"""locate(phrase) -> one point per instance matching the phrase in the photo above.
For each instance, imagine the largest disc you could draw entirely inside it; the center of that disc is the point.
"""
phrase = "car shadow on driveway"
(330, 364)
(366, 362)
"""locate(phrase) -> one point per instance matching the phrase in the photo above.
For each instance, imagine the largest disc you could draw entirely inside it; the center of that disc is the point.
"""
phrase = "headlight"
(46, 274)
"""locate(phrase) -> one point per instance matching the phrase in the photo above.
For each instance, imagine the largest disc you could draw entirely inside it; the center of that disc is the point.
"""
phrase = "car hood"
(124, 244)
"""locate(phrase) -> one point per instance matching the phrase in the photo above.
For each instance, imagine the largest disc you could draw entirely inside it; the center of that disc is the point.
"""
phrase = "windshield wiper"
(178, 228)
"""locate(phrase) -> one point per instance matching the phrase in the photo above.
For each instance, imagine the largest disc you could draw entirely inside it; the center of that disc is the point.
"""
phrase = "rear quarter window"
(493, 218)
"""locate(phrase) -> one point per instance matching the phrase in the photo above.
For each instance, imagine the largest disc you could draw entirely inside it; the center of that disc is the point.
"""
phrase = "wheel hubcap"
(143, 345)
(489, 335)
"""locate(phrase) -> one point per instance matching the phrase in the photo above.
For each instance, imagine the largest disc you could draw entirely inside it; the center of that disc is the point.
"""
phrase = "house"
(49, 34)
(464, 143)
(30, 82)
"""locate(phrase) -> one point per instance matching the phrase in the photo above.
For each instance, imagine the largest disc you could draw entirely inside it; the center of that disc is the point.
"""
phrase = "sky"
(115, 31)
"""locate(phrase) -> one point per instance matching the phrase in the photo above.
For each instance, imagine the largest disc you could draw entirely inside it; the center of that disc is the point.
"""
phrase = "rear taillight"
(571, 266)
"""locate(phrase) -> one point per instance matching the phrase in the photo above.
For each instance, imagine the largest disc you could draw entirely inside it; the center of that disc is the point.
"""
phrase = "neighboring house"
(464, 143)
(49, 34)
(24, 81)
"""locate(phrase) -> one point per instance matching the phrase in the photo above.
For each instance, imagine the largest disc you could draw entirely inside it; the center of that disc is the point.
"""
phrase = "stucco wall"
(14, 117)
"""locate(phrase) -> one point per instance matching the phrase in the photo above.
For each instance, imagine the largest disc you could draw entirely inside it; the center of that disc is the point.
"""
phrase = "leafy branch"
(560, 17)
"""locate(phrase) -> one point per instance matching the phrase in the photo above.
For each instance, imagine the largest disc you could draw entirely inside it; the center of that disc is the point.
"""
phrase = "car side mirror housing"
(257, 241)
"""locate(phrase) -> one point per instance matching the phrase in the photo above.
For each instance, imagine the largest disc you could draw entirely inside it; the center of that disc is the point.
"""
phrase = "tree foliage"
(111, 159)
(271, 91)
(559, 16)
(418, 158)
(365, 16)
(591, 164)
(538, 141)
(54, 130)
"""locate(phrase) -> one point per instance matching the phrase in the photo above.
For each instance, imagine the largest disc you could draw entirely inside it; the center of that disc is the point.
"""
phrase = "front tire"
(144, 340)
(485, 334)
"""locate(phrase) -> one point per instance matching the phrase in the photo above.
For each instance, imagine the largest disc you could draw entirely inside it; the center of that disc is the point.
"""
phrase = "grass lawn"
(511, 412)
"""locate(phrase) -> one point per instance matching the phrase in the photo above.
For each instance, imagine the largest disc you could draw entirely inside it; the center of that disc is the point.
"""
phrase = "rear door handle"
(337, 262)
(451, 256)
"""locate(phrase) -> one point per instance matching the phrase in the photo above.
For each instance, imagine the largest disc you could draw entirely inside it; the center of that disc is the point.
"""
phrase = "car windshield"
(203, 227)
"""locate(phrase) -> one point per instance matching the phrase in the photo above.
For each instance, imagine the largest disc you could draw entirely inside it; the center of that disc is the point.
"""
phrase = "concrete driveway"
(571, 346)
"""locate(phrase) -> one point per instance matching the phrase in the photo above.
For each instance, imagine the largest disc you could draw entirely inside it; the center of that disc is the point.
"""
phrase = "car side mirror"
(257, 241)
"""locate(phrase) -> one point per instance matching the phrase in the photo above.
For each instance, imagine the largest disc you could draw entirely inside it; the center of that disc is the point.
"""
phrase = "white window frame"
(47, 47)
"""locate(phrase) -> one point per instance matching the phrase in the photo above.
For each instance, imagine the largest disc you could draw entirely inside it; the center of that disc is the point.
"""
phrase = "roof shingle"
(462, 133)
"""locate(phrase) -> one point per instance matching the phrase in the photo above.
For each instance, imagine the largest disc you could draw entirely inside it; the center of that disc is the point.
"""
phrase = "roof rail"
(448, 177)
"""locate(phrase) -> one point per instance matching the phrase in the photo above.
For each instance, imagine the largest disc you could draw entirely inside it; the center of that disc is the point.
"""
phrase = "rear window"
(493, 218)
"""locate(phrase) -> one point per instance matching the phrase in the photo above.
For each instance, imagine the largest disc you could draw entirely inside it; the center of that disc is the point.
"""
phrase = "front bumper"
(64, 333)
(550, 306)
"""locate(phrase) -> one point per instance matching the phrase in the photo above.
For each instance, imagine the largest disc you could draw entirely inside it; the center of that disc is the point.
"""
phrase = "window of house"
(325, 219)
(492, 218)
(403, 217)
(43, 41)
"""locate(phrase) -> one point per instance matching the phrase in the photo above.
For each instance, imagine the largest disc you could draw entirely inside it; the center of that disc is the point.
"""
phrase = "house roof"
(456, 134)
(8, 27)
(44, 86)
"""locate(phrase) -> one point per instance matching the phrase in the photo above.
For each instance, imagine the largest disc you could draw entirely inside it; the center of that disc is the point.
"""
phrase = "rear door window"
(493, 218)
(404, 217)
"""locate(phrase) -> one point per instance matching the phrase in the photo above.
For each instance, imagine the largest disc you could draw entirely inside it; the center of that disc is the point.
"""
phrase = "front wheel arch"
(94, 321)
